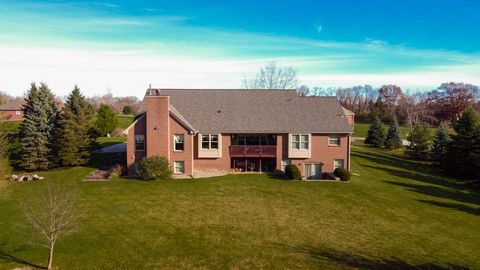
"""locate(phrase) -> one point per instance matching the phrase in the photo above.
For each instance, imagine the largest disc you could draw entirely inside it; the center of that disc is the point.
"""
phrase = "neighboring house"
(213, 132)
(12, 110)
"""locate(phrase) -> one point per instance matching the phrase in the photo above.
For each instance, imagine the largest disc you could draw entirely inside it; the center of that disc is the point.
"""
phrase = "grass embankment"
(398, 214)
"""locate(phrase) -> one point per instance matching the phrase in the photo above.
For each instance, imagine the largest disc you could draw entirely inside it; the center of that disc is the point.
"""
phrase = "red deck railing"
(253, 150)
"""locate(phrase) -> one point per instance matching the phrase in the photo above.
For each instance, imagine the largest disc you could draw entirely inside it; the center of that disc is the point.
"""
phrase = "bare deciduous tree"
(54, 217)
(450, 99)
(273, 76)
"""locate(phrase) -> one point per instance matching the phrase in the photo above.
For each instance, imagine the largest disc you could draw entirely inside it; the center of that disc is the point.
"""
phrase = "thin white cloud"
(130, 73)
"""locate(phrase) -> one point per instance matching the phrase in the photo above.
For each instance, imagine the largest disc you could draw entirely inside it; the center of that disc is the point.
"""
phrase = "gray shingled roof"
(14, 105)
(256, 111)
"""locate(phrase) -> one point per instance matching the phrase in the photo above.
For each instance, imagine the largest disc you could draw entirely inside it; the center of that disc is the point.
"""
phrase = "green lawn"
(123, 121)
(397, 214)
(106, 141)
(361, 130)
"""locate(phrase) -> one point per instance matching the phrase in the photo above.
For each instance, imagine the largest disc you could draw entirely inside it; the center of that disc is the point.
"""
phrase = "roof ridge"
(219, 89)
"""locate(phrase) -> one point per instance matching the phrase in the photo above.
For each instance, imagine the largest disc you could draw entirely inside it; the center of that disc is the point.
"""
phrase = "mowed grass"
(361, 130)
(397, 214)
(123, 121)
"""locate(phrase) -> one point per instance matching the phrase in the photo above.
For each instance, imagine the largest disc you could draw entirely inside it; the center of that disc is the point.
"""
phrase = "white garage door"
(313, 171)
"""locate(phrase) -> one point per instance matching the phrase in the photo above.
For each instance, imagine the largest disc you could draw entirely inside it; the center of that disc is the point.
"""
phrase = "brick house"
(12, 110)
(213, 132)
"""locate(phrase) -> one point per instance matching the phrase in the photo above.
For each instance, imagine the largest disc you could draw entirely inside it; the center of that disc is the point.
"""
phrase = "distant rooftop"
(14, 105)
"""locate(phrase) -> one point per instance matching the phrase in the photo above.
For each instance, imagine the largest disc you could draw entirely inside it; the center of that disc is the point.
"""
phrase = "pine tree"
(76, 136)
(4, 163)
(106, 121)
(37, 131)
(393, 140)
(440, 143)
(463, 152)
(420, 143)
(376, 133)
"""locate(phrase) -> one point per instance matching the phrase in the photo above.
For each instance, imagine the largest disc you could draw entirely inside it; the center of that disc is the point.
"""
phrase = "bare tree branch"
(53, 217)
(273, 76)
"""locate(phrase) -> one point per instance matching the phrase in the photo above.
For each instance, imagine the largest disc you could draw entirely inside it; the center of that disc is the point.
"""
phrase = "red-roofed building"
(12, 110)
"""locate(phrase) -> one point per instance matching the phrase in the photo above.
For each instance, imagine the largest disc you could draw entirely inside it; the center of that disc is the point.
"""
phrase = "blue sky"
(123, 46)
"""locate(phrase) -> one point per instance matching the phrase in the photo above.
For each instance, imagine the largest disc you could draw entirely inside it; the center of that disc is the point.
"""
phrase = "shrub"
(118, 170)
(293, 172)
(343, 174)
(153, 168)
(127, 110)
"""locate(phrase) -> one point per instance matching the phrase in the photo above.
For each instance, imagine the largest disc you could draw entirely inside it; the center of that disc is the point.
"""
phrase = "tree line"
(457, 152)
(55, 134)
(442, 104)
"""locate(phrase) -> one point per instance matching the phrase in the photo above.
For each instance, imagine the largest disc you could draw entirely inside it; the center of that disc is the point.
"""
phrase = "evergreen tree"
(37, 133)
(4, 163)
(106, 121)
(440, 144)
(463, 152)
(420, 143)
(393, 140)
(76, 136)
(376, 133)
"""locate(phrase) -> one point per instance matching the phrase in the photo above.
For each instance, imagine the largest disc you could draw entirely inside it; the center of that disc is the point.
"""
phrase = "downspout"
(348, 150)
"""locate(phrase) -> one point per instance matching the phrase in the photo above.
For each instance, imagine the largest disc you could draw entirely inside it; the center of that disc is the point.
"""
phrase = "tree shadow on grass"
(420, 171)
(6, 256)
(454, 206)
(358, 261)
(436, 185)
(278, 176)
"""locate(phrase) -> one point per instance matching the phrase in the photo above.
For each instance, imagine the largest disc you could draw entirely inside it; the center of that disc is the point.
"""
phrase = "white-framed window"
(179, 166)
(338, 163)
(300, 141)
(285, 162)
(139, 142)
(18, 112)
(334, 139)
(210, 141)
(178, 142)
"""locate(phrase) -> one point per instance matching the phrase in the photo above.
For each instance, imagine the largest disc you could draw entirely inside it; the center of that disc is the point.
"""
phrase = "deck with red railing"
(253, 150)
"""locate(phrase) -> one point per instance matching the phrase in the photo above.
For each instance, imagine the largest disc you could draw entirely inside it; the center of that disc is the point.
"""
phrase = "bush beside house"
(154, 168)
(343, 174)
(293, 172)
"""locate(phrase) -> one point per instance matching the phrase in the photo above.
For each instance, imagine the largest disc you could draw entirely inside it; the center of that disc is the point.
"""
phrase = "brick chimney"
(158, 126)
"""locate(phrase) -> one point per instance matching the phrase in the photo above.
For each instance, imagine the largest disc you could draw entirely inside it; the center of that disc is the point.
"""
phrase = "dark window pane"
(214, 145)
(179, 146)
(205, 145)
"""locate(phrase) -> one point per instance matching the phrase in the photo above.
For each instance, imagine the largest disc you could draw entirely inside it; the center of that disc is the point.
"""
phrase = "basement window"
(179, 167)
